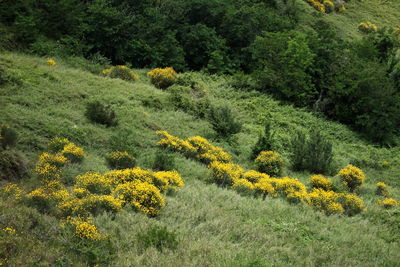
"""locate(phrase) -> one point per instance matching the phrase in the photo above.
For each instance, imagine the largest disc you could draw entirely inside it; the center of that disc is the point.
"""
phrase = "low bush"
(367, 27)
(121, 72)
(352, 177)
(120, 160)
(57, 144)
(101, 113)
(223, 120)
(382, 189)
(73, 152)
(270, 162)
(314, 153)
(158, 237)
(389, 203)
(13, 165)
(8, 137)
(163, 78)
(319, 181)
(265, 141)
(163, 161)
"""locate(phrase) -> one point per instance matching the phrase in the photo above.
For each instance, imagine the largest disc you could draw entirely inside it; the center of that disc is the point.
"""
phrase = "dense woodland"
(265, 44)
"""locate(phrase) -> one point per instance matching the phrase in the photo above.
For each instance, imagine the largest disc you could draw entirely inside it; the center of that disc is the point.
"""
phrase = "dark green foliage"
(100, 113)
(13, 165)
(313, 153)
(164, 161)
(8, 137)
(120, 160)
(158, 237)
(265, 141)
(123, 140)
(223, 120)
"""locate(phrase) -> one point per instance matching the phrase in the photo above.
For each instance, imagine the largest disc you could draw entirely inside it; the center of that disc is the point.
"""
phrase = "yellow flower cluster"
(13, 191)
(47, 170)
(367, 27)
(352, 177)
(389, 203)
(57, 144)
(53, 191)
(121, 72)
(91, 204)
(94, 183)
(225, 173)
(194, 147)
(143, 196)
(73, 152)
(9, 230)
(118, 155)
(317, 5)
(382, 189)
(270, 162)
(85, 229)
(51, 62)
(163, 78)
(320, 181)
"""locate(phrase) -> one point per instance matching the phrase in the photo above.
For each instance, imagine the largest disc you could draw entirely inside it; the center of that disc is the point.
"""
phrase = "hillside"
(214, 226)
(380, 12)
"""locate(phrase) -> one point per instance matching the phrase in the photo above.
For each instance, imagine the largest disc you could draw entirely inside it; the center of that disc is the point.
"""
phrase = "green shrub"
(270, 162)
(121, 72)
(8, 137)
(223, 120)
(164, 161)
(100, 113)
(158, 237)
(123, 140)
(120, 160)
(191, 99)
(265, 141)
(313, 154)
(13, 165)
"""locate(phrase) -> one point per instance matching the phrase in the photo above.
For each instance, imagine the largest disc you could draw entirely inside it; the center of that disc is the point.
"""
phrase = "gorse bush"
(314, 153)
(319, 181)
(163, 78)
(389, 203)
(121, 72)
(352, 177)
(223, 120)
(158, 237)
(367, 27)
(120, 160)
(101, 113)
(8, 137)
(270, 162)
(382, 189)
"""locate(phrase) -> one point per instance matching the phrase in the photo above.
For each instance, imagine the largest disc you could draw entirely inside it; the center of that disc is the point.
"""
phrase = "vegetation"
(159, 167)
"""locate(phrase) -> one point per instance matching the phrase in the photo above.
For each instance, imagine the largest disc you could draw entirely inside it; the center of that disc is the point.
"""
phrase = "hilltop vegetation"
(202, 224)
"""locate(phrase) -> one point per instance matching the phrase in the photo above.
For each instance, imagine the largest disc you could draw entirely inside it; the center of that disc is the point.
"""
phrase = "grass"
(213, 226)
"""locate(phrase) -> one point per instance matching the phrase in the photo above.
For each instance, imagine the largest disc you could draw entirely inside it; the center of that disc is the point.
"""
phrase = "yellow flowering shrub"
(320, 181)
(329, 6)
(225, 173)
(163, 78)
(389, 203)
(255, 176)
(57, 160)
(51, 62)
(128, 175)
(9, 230)
(73, 152)
(264, 187)
(325, 201)
(352, 177)
(120, 72)
(351, 203)
(317, 5)
(298, 197)
(91, 204)
(142, 196)
(270, 162)
(286, 185)
(120, 160)
(174, 143)
(243, 186)
(94, 183)
(85, 229)
(13, 191)
(382, 189)
(57, 144)
(48, 166)
(80, 192)
(367, 27)
(48, 195)
(171, 180)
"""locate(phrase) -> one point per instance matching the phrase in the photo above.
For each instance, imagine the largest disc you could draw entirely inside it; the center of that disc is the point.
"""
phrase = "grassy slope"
(380, 12)
(216, 226)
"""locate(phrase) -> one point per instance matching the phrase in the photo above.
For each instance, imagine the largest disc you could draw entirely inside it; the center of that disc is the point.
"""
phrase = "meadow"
(202, 224)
